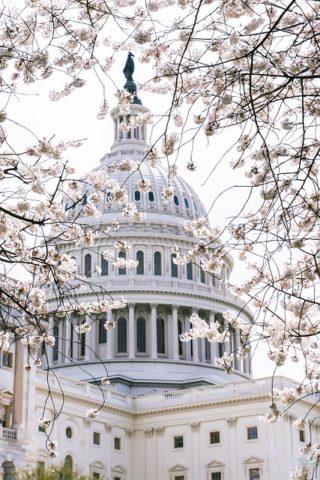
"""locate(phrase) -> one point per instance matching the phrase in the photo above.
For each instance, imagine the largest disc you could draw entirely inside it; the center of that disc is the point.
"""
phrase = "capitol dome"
(143, 351)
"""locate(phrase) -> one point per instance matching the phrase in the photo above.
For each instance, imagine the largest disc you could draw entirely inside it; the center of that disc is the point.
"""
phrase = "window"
(68, 464)
(96, 476)
(207, 350)
(87, 265)
(117, 443)
(116, 478)
(174, 267)
(7, 359)
(141, 335)
(301, 436)
(96, 438)
(189, 271)
(102, 331)
(137, 196)
(82, 344)
(179, 477)
(216, 476)
(140, 259)
(41, 429)
(122, 271)
(252, 433)
(202, 276)
(151, 196)
(254, 474)
(157, 263)
(176, 200)
(69, 432)
(180, 331)
(104, 267)
(214, 437)
(186, 203)
(178, 441)
(71, 341)
(161, 346)
(56, 343)
(40, 469)
(122, 335)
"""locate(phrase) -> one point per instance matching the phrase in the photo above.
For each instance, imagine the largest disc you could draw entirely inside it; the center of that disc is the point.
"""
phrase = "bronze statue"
(130, 85)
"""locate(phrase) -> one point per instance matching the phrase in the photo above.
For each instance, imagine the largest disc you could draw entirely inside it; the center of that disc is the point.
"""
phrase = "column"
(153, 332)
(61, 341)
(67, 340)
(195, 343)
(92, 341)
(131, 331)
(110, 336)
(18, 397)
(214, 347)
(227, 345)
(174, 332)
(237, 347)
(49, 350)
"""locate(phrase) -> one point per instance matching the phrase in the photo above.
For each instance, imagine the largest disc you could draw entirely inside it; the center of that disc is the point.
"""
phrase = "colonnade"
(156, 337)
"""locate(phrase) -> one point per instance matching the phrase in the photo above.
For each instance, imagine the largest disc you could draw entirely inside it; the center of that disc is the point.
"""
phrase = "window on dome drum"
(68, 464)
(161, 340)
(207, 349)
(143, 132)
(137, 196)
(151, 196)
(216, 476)
(140, 259)
(87, 265)
(82, 344)
(122, 335)
(186, 203)
(202, 276)
(174, 267)
(122, 271)
(136, 133)
(180, 331)
(157, 263)
(104, 267)
(252, 433)
(117, 443)
(254, 474)
(102, 331)
(96, 438)
(69, 432)
(120, 131)
(7, 359)
(141, 335)
(56, 343)
(214, 437)
(176, 200)
(178, 441)
(189, 271)
(301, 436)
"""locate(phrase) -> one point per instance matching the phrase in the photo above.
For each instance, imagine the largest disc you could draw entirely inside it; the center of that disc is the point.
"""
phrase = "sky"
(75, 117)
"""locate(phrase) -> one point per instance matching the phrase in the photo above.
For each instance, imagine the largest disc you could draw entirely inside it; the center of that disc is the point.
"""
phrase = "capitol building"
(170, 413)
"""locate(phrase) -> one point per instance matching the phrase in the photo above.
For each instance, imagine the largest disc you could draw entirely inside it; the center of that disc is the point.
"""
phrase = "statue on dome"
(130, 85)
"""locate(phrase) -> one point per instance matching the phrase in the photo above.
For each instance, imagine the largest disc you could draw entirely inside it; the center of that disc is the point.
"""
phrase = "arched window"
(55, 352)
(104, 266)
(157, 263)
(151, 196)
(122, 271)
(189, 271)
(161, 336)
(176, 200)
(202, 276)
(68, 466)
(140, 259)
(180, 331)
(122, 335)
(137, 196)
(174, 267)
(87, 265)
(207, 350)
(186, 203)
(141, 335)
(102, 331)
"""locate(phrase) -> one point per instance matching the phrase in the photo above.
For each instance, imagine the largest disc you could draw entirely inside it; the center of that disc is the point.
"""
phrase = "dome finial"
(130, 85)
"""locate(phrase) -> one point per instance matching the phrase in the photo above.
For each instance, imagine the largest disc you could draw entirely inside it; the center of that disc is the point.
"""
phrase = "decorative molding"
(108, 427)
(232, 421)
(160, 429)
(195, 426)
(129, 432)
(148, 431)
(87, 422)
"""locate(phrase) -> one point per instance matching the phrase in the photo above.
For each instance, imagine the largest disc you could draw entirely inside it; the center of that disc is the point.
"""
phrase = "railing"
(9, 433)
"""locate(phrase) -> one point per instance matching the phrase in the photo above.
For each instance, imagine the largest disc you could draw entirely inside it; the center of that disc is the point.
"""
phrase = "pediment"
(178, 468)
(118, 469)
(97, 464)
(215, 464)
(252, 460)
